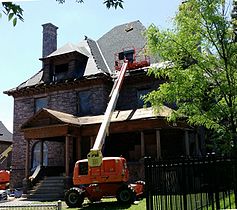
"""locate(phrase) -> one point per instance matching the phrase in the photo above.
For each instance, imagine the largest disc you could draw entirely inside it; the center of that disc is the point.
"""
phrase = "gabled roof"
(50, 117)
(5, 135)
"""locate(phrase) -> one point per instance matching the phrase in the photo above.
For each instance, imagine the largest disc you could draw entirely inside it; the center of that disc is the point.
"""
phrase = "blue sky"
(21, 46)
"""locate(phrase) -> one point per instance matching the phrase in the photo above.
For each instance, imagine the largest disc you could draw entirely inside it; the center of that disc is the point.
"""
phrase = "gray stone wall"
(56, 153)
(65, 101)
(128, 98)
(23, 110)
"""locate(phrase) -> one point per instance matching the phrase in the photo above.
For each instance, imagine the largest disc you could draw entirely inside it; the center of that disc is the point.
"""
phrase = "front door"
(39, 155)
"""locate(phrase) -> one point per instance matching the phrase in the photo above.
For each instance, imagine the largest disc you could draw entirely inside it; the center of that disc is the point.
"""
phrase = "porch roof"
(56, 117)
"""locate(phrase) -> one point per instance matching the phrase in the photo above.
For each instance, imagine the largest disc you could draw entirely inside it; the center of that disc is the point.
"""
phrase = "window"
(127, 54)
(84, 107)
(60, 71)
(140, 94)
(83, 168)
(40, 103)
(36, 154)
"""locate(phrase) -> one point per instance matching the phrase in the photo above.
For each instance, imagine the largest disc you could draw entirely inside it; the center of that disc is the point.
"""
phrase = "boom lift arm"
(95, 155)
(5, 154)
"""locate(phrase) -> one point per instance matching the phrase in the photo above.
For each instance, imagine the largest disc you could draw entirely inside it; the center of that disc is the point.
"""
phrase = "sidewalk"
(13, 200)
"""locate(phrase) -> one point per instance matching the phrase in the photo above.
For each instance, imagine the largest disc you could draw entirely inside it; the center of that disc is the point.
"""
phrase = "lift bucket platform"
(94, 158)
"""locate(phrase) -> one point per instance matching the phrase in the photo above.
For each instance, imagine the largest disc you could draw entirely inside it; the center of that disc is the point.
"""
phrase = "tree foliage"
(108, 3)
(202, 81)
(15, 12)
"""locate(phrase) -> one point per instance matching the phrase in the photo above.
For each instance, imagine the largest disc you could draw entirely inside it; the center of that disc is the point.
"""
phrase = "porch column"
(196, 145)
(27, 164)
(42, 153)
(67, 140)
(142, 145)
(158, 148)
(27, 155)
(78, 145)
(186, 143)
(92, 141)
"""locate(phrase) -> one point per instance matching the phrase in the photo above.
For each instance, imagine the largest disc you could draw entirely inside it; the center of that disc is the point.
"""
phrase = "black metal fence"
(191, 183)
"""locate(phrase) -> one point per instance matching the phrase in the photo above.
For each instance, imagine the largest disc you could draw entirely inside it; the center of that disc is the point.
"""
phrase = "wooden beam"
(46, 132)
(131, 126)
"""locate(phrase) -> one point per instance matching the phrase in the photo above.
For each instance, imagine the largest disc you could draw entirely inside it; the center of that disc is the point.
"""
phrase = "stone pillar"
(142, 145)
(186, 142)
(158, 147)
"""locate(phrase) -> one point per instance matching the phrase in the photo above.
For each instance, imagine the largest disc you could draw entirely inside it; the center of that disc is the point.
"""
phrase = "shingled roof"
(121, 37)
(100, 53)
(117, 116)
(5, 135)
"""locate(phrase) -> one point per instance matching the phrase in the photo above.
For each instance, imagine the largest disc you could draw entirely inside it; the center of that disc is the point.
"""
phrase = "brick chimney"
(49, 39)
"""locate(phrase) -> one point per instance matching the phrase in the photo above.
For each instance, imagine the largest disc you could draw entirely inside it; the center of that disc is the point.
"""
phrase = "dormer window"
(60, 71)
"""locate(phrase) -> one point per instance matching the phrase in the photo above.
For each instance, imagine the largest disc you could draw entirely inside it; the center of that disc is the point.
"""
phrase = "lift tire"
(126, 195)
(74, 197)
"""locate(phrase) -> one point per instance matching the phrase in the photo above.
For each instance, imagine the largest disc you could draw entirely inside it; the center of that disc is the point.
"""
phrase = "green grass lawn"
(109, 203)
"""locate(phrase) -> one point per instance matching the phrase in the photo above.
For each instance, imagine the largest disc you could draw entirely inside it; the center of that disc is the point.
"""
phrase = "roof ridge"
(106, 64)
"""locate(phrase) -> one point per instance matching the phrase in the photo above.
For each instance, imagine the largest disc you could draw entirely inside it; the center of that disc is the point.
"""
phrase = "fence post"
(234, 164)
(216, 181)
(148, 179)
(59, 205)
(184, 180)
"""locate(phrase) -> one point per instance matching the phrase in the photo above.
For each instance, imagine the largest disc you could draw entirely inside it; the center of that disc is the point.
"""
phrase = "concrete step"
(50, 188)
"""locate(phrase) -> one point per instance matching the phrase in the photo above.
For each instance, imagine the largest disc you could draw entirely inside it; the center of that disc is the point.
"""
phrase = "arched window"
(36, 154)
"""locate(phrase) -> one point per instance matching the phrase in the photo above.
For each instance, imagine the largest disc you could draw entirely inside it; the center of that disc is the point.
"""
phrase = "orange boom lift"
(97, 176)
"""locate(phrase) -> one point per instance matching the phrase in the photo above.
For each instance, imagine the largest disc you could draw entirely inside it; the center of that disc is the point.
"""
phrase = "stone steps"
(48, 189)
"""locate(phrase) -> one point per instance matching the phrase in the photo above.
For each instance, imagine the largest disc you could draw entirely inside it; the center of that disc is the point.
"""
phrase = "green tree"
(201, 76)
(15, 12)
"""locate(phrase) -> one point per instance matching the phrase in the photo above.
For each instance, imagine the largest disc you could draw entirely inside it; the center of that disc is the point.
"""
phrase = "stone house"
(58, 111)
(5, 147)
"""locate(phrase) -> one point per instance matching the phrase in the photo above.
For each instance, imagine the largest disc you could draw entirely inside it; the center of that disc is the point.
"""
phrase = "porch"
(56, 139)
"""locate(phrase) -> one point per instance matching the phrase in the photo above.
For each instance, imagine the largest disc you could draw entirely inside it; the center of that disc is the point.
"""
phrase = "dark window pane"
(140, 94)
(40, 103)
(84, 103)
